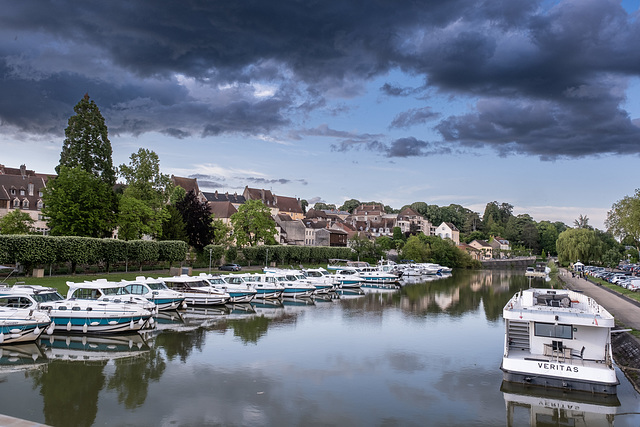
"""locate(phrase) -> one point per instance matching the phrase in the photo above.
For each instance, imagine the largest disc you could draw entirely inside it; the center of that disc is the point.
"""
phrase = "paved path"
(625, 311)
(7, 421)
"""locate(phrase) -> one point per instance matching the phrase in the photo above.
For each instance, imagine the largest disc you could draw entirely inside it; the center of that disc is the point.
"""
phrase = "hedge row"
(279, 254)
(33, 251)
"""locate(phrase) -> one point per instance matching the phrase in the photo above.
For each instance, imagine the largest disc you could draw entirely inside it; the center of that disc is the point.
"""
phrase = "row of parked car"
(623, 279)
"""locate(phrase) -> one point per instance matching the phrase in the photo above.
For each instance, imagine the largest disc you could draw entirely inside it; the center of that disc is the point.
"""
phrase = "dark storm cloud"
(546, 79)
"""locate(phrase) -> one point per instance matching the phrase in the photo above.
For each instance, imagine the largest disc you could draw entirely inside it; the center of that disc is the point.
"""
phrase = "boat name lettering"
(556, 367)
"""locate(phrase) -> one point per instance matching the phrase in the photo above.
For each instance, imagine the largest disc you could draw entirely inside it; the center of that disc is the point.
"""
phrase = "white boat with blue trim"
(233, 284)
(196, 290)
(155, 291)
(19, 323)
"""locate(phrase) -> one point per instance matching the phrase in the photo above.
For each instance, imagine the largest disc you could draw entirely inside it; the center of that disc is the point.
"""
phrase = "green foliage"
(79, 204)
(578, 245)
(86, 144)
(135, 219)
(548, 235)
(415, 249)
(28, 250)
(385, 243)
(222, 233)
(423, 248)
(197, 219)
(143, 251)
(217, 252)
(172, 250)
(173, 226)
(350, 205)
(323, 206)
(623, 220)
(16, 222)
(252, 224)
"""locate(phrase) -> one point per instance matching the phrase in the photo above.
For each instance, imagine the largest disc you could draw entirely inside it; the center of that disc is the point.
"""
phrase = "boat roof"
(557, 305)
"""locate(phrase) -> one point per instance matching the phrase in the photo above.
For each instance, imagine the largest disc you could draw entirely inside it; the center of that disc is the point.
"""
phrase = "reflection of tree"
(70, 392)
(250, 330)
(132, 376)
(180, 344)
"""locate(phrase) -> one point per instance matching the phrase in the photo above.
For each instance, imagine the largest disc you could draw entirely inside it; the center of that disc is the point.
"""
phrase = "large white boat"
(267, 287)
(79, 316)
(104, 290)
(292, 288)
(558, 338)
(196, 290)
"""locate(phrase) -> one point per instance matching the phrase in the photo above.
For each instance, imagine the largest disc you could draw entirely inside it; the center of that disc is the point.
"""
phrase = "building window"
(25, 204)
(22, 191)
(40, 193)
(40, 205)
(16, 203)
(13, 191)
(30, 187)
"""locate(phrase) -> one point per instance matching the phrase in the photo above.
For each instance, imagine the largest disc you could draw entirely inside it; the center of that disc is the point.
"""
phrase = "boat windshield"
(157, 286)
(115, 291)
(47, 296)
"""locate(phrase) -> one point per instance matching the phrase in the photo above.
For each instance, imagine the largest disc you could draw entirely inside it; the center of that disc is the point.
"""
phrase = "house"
(486, 250)
(289, 205)
(188, 184)
(331, 237)
(222, 210)
(411, 222)
(447, 230)
(500, 246)
(292, 231)
(473, 252)
(215, 197)
(23, 189)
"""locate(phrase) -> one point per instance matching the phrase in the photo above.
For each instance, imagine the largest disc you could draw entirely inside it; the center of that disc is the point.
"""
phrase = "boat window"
(85, 293)
(551, 330)
(157, 285)
(47, 296)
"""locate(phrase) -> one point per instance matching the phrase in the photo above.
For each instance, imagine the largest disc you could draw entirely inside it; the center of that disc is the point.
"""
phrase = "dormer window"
(40, 205)
(40, 193)
(25, 204)
(13, 191)
(16, 203)
(22, 193)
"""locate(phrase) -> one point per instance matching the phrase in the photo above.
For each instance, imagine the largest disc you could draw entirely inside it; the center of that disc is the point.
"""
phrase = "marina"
(426, 353)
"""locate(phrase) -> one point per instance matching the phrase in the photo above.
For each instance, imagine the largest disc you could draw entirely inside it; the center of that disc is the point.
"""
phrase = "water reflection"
(428, 350)
(539, 407)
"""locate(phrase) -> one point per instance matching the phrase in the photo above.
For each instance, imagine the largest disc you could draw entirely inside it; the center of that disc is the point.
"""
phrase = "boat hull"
(99, 325)
(541, 372)
(22, 332)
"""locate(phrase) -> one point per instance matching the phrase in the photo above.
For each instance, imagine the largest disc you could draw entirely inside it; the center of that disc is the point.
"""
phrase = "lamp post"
(210, 260)
(266, 260)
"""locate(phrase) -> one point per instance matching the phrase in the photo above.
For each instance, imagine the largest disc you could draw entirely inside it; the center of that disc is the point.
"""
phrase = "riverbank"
(625, 346)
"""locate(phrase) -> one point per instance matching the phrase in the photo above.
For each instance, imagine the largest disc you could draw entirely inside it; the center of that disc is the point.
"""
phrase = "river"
(427, 354)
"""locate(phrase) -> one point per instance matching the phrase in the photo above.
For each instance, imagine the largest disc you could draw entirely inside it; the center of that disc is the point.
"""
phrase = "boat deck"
(554, 356)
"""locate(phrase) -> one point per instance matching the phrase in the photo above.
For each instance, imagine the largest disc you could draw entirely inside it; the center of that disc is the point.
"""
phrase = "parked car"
(230, 267)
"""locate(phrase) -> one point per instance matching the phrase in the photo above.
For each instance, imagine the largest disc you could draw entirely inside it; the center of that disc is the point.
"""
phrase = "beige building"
(22, 189)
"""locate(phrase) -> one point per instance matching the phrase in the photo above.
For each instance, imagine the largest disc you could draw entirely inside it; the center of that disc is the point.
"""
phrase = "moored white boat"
(104, 290)
(155, 291)
(292, 288)
(80, 316)
(233, 284)
(196, 290)
(20, 324)
(558, 338)
(267, 287)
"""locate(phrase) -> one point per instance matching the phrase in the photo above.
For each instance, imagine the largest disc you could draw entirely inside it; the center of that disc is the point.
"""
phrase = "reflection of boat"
(88, 348)
(203, 316)
(269, 308)
(240, 311)
(558, 338)
(540, 407)
(540, 270)
(79, 316)
(21, 357)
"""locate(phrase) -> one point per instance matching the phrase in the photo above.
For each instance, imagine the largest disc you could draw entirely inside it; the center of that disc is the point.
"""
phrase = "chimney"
(23, 171)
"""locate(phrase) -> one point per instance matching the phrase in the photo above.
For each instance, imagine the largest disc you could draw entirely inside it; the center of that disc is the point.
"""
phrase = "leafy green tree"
(304, 204)
(420, 207)
(252, 224)
(415, 249)
(350, 205)
(16, 222)
(320, 206)
(86, 144)
(173, 226)
(623, 220)
(197, 219)
(548, 236)
(144, 200)
(222, 233)
(74, 204)
(385, 243)
(582, 222)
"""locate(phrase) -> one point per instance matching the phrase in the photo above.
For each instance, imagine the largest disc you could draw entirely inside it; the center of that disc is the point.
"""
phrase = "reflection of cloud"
(406, 362)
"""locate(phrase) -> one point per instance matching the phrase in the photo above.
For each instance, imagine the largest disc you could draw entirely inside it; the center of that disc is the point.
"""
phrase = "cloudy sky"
(533, 103)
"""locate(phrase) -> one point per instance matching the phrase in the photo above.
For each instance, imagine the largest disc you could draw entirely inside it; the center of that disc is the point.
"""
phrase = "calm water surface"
(428, 354)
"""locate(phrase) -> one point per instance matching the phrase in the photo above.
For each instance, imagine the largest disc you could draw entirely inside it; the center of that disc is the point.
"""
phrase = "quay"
(625, 346)
(7, 421)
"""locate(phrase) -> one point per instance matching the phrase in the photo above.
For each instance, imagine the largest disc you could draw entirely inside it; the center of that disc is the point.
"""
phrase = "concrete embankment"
(626, 347)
